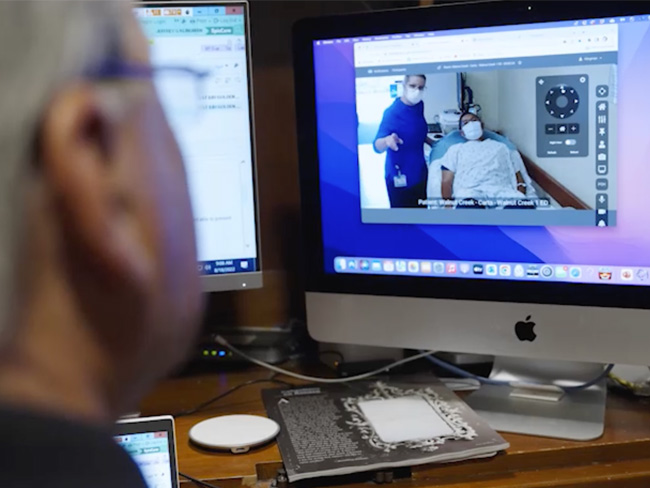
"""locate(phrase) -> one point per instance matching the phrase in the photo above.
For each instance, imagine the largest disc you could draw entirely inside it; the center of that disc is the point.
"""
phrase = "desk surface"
(620, 458)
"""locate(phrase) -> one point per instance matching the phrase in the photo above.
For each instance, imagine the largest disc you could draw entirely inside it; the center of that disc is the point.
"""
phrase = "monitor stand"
(578, 415)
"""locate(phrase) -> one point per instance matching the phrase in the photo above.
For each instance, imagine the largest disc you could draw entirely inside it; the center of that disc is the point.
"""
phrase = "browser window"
(542, 102)
(150, 451)
(212, 123)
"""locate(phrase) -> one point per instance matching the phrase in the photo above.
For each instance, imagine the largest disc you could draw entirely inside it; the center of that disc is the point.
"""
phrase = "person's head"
(414, 86)
(97, 248)
(471, 126)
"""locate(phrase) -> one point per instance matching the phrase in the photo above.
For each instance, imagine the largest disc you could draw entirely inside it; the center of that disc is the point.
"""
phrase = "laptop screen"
(150, 451)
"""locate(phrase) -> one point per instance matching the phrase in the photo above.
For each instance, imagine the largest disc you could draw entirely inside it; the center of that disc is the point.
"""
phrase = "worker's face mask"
(413, 95)
(473, 130)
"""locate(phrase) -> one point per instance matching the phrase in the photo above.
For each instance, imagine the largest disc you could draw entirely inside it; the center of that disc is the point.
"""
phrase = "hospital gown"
(483, 169)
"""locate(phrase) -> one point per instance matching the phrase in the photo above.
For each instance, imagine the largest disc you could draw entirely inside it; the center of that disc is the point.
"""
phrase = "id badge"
(399, 181)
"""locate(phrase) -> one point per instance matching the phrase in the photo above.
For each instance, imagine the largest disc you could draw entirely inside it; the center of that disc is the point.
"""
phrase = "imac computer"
(475, 179)
(200, 52)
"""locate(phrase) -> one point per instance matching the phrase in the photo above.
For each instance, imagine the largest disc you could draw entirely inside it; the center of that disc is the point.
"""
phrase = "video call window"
(514, 126)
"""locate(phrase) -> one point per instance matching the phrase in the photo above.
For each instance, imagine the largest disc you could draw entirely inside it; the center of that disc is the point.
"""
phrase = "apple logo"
(524, 330)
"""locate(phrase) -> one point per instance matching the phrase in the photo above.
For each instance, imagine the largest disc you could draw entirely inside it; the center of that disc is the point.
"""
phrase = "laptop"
(151, 443)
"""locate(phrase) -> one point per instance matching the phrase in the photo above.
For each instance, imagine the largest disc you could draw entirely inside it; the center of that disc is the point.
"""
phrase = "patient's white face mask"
(473, 130)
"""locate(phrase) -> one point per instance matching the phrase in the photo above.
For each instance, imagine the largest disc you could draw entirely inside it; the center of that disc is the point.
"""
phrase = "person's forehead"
(469, 118)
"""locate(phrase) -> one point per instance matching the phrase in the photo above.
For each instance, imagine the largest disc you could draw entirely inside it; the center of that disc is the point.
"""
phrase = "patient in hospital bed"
(479, 167)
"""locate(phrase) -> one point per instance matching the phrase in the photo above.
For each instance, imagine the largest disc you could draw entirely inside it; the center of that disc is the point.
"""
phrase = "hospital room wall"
(513, 99)
(374, 97)
(485, 85)
(441, 94)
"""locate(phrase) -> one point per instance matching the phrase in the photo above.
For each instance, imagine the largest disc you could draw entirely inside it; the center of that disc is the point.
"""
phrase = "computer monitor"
(212, 119)
(519, 229)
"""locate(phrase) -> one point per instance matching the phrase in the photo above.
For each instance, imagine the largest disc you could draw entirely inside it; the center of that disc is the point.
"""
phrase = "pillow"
(441, 147)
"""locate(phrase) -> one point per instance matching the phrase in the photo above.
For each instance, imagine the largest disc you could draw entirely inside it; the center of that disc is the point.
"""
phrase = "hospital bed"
(539, 183)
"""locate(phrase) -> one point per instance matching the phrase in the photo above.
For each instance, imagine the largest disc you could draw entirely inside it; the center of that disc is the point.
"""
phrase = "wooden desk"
(621, 458)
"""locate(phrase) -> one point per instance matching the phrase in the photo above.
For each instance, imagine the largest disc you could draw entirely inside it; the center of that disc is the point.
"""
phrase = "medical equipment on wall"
(449, 120)
(466, 96)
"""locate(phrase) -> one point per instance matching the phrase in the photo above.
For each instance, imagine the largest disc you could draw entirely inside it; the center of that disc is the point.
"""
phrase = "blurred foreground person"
(99, 295)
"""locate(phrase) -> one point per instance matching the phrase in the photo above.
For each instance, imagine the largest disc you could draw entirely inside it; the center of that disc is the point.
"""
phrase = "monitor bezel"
(444, 17)
(232, 281)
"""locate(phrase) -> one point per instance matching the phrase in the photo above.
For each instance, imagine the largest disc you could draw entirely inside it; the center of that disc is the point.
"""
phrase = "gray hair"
(407, 78)
(43, 45)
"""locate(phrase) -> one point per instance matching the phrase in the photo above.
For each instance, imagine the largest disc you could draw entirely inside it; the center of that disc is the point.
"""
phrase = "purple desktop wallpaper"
(627, 244)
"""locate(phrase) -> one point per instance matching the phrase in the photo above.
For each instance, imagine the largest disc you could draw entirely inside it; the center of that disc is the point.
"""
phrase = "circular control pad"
(562, 101)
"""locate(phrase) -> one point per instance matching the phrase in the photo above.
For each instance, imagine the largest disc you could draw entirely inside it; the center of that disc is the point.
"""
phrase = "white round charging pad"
(235, 433)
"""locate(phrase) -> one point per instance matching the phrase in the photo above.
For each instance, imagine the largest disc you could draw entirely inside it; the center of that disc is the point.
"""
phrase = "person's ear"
(80, 156)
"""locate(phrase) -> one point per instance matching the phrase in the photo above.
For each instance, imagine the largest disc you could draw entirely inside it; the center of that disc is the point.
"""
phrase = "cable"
(641, 389)
(488, 381)
(314, 379)
(621, 382)
(586, 385)
(428, 355)
(464, 374)
(209, 402)
(197, 481)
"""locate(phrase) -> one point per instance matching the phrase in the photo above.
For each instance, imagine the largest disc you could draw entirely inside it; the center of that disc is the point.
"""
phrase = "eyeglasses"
(180, 88)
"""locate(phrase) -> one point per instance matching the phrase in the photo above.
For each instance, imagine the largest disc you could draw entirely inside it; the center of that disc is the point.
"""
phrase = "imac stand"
(543, 410)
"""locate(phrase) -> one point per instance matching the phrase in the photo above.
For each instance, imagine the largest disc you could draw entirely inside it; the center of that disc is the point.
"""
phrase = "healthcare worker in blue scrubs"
(402, 135)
